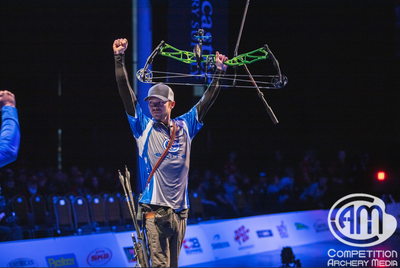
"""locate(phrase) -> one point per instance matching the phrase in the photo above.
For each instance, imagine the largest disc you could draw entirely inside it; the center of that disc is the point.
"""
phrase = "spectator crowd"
(230, 192)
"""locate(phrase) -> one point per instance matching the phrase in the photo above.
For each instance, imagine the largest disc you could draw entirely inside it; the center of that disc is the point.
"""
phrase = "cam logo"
(174, 148)
(99, 257)
(192, 246)
(360, 220)
(65, 260)
(23, 262)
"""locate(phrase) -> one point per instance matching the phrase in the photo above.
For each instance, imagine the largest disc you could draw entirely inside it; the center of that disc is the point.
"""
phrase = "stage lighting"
(289, 258)
(381, 175)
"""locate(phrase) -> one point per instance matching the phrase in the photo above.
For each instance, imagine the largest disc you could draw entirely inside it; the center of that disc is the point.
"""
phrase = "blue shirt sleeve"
(138, 122)
(192, 122)
(9, 136)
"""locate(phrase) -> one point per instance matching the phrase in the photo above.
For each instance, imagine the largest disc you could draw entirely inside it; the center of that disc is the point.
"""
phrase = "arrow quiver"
(139, 241)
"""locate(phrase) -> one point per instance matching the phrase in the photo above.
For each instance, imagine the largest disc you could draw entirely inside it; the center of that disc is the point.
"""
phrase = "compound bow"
(276, 81)
(145, 75)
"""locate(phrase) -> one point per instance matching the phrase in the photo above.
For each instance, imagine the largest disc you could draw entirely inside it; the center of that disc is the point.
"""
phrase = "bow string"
(146, 75)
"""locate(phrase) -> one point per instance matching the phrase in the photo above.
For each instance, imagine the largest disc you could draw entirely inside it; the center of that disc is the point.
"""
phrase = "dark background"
(339, 56)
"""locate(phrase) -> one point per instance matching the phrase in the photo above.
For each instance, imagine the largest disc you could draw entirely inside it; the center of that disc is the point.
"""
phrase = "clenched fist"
(6, 98)
(120, 45)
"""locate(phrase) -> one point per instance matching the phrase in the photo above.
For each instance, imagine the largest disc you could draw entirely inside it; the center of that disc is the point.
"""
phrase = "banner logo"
(360, 220)
(65, 260)
(23, 262)
(192, 246)
(321, 226)
(301, 226)
(219, 244)
(264, 233)
(283, 232)
(130, 254)
(99, 257)
(241, 235)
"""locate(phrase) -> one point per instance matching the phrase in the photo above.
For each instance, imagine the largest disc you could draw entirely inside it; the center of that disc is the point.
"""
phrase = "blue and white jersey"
(9, 136)
(169, 184)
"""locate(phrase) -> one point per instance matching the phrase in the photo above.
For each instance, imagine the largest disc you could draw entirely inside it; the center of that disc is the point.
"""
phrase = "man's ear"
(172, 104)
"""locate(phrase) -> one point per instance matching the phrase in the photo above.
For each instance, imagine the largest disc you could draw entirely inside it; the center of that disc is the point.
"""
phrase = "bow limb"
(189, 57)
(282, 79)
(145, 75)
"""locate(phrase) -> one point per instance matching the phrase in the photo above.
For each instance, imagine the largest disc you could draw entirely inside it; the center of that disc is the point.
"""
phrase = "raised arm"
(212, 91)
(10, 133)
(125, 90)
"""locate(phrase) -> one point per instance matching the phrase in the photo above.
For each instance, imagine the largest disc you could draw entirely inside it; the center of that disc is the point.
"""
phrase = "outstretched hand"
(120, 45)
(219, 61)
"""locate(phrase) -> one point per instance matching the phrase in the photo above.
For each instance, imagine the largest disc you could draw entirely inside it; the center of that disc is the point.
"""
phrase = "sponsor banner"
(125, 243)
(195, 247)
(99, 257)
(99, 250)
(23, 262)
(204, 242)
(63, 260)
(264, 233)
(130, 254)
(29, 253)
(253, 235)
(221, 237)
(301, 228)
(92, 250)
(239, 237)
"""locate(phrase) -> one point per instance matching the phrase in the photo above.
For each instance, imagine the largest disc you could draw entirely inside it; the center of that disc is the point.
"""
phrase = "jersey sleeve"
(138, 122)
(192, 122)
(9, 136)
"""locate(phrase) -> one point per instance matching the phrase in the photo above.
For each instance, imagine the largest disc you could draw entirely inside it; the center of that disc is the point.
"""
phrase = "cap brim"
(157, 96)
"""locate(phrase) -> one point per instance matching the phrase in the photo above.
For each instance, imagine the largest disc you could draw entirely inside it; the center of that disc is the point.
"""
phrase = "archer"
(165, 180)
